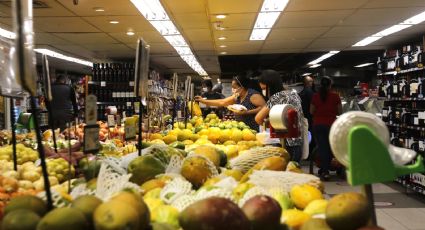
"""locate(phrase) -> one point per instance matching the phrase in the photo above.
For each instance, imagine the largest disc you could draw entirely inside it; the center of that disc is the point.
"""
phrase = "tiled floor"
(395, 209)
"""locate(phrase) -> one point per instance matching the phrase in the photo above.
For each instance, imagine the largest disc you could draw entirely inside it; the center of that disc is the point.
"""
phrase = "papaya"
(271, 163)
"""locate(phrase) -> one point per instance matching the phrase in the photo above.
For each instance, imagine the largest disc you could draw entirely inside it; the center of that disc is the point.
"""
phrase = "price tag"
(136, 107)
(131, 83)
(103, 83)
(421, 146)
(421, 115)
(413, 88)
(91, 109)
(129, 129)
(128, 104)
(395, 88)
(179, 114)
(91, 139)
(111, 120)
(416, 121)
(384, 113)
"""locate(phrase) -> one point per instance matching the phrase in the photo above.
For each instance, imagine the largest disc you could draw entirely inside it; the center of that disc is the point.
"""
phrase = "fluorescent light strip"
(419, 18)
(314, 66)
(54, 54)
(323, 57)
(306, 74)
(268, 15)
(155, 13)
(364, 64)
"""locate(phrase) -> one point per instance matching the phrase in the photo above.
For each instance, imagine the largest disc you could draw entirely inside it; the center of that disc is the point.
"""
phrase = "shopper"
(272, 87)
(325, 106)
(64, 104)
(218, 88)
(244, 94)
(306, 95)
(209, 94)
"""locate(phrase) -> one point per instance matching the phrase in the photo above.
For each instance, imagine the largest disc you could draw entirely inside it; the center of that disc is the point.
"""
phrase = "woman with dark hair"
(272, 88)
(325, 106)
(242, 94)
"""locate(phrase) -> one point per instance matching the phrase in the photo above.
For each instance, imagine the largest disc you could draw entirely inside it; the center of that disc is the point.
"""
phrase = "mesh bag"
(282, 181)
(213, 170)
(249, 158)
(228, 183)
(81, 190)
(57, 199)
(251, 193)
(183, 202)
(175, 165)
(112, 179)
(175, 189)
(214, 192)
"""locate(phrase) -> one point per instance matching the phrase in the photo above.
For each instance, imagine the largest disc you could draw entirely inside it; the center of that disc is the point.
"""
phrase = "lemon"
(294, 218)
(316, 207)
(302, 195)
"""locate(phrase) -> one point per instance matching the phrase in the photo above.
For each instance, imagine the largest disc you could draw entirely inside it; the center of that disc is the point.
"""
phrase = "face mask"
(264, 92)
(205, 89)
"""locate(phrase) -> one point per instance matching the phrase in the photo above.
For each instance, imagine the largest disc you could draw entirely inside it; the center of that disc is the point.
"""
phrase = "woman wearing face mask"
(272, 88)
(242, 94)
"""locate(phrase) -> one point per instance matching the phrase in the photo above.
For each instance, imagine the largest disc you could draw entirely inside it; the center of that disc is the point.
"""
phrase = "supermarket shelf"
(401, 71)
(405, 99)
(407, 127)
(110, 103)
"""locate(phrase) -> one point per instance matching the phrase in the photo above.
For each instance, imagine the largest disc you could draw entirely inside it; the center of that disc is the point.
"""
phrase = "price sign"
(91, 109)
(111, 121)
(130, 130)
(103, 83)
(91, 139)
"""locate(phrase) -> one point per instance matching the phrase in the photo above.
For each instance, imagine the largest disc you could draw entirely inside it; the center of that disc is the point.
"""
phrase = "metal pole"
(368, 192)
(12, 121)
(139, 138)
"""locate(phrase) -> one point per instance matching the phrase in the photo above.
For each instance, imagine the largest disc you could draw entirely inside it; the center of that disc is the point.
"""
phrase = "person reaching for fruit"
(272, 86)
(243, 94)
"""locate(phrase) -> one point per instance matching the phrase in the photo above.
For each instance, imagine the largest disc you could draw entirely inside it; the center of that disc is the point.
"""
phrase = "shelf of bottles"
(113, 84)
(402, 77)
(80, 92)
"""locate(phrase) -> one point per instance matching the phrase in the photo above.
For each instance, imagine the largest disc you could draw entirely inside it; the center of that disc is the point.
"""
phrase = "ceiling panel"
(107, 47)
(393, 3)
(278, 51)
(112, 7)
(234, 6)
(117, 54)
(87, 38)
(162, 48)
(304, 5)
(287, 44)
(191, 21)
(357, 31)
(296, 33)
(49, 39)
(233, 35)
(149, 37)
(391, 40)
(189, 6)
(311, 18)
(134, 23)
(243, 21)
(6, 20)
(74, 51)
(386, 16)
(171, 62)
(202, 45)
(243, 47)
(5, 10)
(63, 24)
(334, 43)
(199, 35)
(54, 10)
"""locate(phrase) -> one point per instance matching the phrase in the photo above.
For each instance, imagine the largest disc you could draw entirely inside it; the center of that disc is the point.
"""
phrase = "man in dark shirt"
(64, 104)
(209, 94)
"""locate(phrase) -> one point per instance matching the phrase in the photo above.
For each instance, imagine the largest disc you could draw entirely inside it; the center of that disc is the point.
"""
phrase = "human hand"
(198, 99)
(240, 112)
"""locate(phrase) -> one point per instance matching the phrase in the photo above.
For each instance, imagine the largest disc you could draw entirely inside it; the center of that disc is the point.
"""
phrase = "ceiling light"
(259, 34)
(419, 18)
(223, 46)
(99, 9)
(306, 74)
(269, 13)
(114, 22)
(130, 33)
(314, 66)
(364, 64)
(54, 54)
(222, 38)
(223, 53)
(7, 34)
(274, 5)
(155, 13)
(391, 30)
(220, 16)
(266, 20)
(367, 41)
(323, 57)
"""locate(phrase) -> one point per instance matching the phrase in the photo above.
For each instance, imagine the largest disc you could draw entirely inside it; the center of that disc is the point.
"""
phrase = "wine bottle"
(413, 88)
(94, 72)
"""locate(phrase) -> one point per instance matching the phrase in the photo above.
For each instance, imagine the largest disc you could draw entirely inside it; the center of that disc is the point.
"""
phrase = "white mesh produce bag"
(57, 200)
(175, 165)
(254, 191)
(249, 158)
(175, 189)
(282, 180)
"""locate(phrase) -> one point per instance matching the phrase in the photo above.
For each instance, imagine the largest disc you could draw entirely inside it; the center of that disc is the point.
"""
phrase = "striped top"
(248, 119)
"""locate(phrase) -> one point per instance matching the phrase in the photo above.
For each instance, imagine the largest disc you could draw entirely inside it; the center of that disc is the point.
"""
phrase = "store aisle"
(395, 209)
